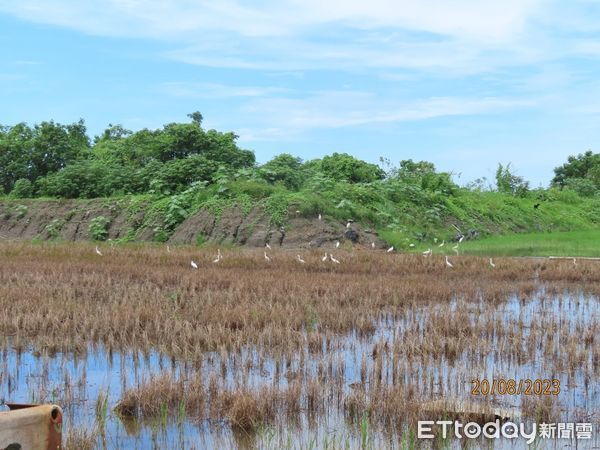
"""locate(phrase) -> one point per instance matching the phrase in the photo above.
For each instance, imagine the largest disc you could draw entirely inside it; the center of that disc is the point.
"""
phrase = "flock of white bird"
(330, 257)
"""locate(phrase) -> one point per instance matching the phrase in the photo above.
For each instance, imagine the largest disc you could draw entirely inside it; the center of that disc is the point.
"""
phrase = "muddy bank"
(72, 220)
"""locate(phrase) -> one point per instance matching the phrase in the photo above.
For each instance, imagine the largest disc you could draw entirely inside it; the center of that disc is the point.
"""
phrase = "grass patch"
(568, 243)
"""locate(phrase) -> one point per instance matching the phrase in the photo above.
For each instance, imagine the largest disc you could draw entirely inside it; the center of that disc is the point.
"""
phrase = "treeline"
(55, 160)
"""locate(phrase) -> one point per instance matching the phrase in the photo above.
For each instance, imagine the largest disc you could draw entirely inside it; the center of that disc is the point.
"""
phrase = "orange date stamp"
(503, 386)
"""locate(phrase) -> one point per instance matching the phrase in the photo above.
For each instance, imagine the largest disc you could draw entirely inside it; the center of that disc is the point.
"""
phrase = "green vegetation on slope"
(174, 171)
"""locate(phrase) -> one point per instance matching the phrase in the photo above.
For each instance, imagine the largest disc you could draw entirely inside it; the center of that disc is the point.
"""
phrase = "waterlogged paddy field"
(143, 351)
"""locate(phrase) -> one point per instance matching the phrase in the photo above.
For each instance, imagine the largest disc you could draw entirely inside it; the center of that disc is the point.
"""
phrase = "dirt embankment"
(70, 220)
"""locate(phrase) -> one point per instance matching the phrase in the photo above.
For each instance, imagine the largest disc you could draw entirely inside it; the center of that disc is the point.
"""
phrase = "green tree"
(344, 167)
(284, 168)
(509, 183)
(576, 167)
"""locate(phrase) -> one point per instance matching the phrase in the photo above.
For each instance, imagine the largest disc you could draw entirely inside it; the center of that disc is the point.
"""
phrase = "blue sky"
(465, 84)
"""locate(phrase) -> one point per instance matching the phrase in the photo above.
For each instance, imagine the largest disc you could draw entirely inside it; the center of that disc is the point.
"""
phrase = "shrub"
(23, 189)
(98, 228)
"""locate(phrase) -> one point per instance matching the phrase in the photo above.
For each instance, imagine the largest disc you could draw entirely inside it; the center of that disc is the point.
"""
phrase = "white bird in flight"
(333, 259)
(448, 263)
(194, 265)
(492, 263)
(391, 249)
(427, 252)
(324, 258)
(98, 252)
(267, 257)
(268, 246)
(299, 258)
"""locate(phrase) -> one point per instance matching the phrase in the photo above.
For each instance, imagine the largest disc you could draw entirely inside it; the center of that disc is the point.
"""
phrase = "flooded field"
(143, 351)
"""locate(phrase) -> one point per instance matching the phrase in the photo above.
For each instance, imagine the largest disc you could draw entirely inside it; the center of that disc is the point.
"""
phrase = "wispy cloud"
(465, 35)
(276, 116)
(216, 90)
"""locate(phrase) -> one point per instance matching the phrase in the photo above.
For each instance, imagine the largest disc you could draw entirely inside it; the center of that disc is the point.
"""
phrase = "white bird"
(194, 265)
(492, 263)
(268, 246)
(411, 245)
(319, 216)
(427, 252)
(391, 249)
(324, 258)
(372, 244)
(333, 259)
(574, 261)
(219, 256)
(98, 252)
(348, 224)
(337, 244)
(299, 258)
(442, 244)
(168, 249)
(267, 257)
(448, 263)
(462, 236)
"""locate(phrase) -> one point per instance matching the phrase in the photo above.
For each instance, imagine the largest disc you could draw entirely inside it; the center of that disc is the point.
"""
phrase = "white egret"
(300, 260)
(168, 249)
(372, 244)
(348, 224)
(391, 249)
(324, 258)
(194, 265)
(267, 257)
(219, 256)
(98, 252)
(268, 246)
(492, 263)
(442, 244)
(337, 244)
(462, 236)
(333, 259)
(427, 252)
(319, 216)
(448, 263)
(574, 261)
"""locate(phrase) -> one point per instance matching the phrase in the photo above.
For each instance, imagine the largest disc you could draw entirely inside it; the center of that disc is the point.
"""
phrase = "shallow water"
(76, 381)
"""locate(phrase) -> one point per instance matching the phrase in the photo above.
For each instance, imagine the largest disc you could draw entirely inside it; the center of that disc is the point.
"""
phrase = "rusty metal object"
(474, 411)
(31, 427)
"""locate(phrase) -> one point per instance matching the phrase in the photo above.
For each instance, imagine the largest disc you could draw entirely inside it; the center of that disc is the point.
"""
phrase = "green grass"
(569, 243)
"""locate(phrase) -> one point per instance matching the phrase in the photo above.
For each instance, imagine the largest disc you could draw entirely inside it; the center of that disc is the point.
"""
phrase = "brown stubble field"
(377, 336)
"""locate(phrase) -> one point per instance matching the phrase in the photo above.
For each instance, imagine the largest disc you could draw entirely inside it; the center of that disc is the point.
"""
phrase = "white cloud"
(275, 117)
(462, 35)
(215, 90)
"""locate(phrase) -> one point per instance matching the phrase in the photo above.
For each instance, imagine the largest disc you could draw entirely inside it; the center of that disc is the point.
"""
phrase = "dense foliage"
(182, 167)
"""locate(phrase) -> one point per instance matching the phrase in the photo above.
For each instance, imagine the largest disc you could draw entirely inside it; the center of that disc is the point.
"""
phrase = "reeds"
(372, 339)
